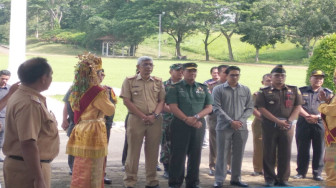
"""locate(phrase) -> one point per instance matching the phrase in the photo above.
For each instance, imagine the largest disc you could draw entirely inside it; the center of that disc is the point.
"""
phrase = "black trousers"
(124, 153)
(309, 134)
(186, 141)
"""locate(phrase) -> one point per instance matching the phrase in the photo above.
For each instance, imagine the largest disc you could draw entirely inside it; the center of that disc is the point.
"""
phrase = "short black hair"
(5, 72)
(212, 68)
(231, 68)
(33, 69)
(220, 67)
(266, 75)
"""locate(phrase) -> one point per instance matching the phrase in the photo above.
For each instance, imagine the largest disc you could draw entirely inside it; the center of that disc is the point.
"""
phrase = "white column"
(17, 37)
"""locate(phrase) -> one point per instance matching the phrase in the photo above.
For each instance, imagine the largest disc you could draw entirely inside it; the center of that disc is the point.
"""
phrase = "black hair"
(266, 75)
(220, 67)
(231, 68)
(33, 69)
(213, 69)
(5, 72)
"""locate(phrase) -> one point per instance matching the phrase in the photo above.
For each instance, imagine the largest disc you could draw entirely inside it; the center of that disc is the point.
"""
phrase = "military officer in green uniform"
(279, 105)
(189, 101)
(175, 76)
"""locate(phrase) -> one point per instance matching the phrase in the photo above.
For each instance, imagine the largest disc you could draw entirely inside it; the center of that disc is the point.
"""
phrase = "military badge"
(199, 90)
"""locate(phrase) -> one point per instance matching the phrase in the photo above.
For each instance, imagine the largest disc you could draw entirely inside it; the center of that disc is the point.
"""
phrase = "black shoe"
(211, 172)
(269, 184)
(228, 172)
(158, 168)
(218, 185)
(165, 175)
(155, 186)
(318, 178)
(299, 176)
(238, 183)
(107, 181)
(282, 184)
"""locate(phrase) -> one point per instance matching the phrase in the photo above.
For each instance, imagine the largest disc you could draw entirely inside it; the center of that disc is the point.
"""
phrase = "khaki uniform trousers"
(329, 166)
(136, 132)
(257, 146)
(17, 175)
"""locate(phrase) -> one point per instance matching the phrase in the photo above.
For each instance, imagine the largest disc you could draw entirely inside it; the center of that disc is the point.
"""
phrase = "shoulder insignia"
(327, 90)
(157, 78)
(35, 98)
(265, 88)
(131, 77)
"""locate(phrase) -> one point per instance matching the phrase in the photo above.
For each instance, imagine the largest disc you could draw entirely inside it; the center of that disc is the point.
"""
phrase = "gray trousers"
(238, 139)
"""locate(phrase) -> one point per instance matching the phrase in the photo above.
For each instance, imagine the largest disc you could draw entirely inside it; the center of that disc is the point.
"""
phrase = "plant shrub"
(324, 58)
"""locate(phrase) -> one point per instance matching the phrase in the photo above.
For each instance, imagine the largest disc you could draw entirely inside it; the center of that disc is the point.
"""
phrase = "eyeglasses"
(234, 75)
(147, 65)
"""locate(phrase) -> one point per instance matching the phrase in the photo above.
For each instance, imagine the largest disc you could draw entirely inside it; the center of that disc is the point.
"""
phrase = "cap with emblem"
(189, 66)
(317, 73)
(278, 69)
(176, 66)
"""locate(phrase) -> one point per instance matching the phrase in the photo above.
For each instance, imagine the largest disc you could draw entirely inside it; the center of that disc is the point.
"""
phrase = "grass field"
(117, 69)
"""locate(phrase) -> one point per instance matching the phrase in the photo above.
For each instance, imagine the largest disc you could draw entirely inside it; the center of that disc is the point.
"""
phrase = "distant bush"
(32, 41)
(64, 36)
(324, 58)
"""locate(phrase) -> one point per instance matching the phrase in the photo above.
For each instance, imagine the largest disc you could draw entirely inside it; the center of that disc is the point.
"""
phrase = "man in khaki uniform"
(257, 132)
(143, 95)
(31, 137)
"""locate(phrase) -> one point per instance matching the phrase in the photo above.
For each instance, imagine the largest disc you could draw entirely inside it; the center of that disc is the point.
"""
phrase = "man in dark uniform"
(310, 128)
(175, 76)
(189, 101)
(279, 105)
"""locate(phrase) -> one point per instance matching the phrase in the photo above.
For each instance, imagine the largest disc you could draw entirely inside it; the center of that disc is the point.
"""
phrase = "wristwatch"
(197, 116)
(156, 116)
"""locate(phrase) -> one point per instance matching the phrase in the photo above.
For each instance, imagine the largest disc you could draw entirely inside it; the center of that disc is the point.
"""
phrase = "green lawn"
(117, 69)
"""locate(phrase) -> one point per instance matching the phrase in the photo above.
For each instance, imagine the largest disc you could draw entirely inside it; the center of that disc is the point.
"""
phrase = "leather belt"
(19, 158)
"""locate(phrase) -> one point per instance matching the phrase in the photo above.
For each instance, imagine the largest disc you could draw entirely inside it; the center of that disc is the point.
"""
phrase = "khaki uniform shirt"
(280, 103)
(28, 118)
(144, 94)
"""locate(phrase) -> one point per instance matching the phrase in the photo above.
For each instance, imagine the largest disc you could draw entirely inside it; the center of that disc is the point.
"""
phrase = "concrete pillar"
(17, 37)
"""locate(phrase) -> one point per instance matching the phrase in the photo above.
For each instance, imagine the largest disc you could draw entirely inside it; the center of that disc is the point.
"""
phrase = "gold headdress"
(85, 77)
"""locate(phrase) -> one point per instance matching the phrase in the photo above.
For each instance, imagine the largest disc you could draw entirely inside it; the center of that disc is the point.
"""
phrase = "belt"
(19, 158)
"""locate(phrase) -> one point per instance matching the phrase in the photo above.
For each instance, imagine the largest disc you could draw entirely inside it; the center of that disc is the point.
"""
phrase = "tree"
(231, 13)
(308, 22)
(324, 59)
(207, 19)
(179, 20)
(4, 20)
(132, 29)
(265, 25)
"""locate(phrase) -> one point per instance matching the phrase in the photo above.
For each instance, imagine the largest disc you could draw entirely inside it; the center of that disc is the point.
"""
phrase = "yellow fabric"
(88, 138)
(330, 165)
(330, 111)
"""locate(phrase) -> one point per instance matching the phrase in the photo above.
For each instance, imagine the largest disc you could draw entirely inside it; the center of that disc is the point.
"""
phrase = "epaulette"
(212, 82)
(327, 90)
(266, 87)
(131, 77)
(35, 98)
(157, 78)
